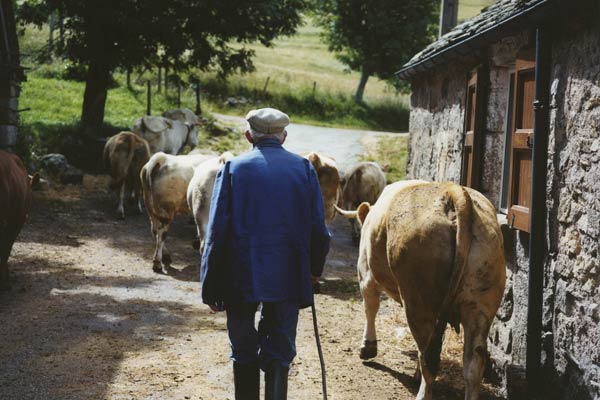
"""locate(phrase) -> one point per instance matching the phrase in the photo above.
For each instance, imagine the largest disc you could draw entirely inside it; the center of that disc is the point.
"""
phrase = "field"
(470, 8)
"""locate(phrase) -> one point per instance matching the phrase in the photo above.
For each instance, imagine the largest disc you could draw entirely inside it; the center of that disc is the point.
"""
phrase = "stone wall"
(436, 126)
(571, 319)
(572, 310)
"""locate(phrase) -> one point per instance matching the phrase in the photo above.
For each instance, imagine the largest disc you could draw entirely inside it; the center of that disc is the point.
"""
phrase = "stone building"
(509, 103)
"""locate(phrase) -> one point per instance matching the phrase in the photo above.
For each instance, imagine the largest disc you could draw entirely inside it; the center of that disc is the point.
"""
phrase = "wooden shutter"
(474, 129)
(519, 194)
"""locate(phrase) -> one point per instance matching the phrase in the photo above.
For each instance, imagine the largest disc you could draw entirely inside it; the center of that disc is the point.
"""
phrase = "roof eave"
(513, 24)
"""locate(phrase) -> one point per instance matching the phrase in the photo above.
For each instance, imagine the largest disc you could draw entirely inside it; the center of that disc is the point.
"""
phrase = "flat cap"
(267, 120)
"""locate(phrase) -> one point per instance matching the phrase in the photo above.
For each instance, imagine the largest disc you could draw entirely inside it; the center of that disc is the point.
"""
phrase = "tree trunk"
(94, 97)
(10, 76)
(360, 90)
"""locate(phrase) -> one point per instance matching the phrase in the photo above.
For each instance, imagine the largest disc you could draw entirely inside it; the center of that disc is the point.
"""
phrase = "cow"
(438, 248)
(169, 133)
(15, 202)
(124, 155)
(364, 182)
(165, 179)
(200, 190)
(329, 181)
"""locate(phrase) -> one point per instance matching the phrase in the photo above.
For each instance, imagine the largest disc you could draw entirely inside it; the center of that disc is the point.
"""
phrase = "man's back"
(274, 226)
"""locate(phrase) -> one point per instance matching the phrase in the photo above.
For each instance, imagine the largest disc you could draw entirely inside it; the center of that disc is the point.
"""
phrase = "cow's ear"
(362, 211)
(315, 160)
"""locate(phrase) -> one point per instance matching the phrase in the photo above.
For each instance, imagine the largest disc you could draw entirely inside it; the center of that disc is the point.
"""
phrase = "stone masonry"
(571, 340)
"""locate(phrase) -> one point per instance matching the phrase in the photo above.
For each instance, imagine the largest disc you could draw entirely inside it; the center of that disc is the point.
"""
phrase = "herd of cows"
(435, 248)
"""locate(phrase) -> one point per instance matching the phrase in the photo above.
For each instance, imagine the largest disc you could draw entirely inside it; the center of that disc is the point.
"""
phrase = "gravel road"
(344, 145)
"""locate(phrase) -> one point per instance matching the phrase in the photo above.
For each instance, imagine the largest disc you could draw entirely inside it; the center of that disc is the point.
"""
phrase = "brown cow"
(438, 248)
(15, 201)
(329, 181)
(125, 154)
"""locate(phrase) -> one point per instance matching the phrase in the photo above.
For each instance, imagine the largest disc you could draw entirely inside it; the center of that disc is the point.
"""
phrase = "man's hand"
(217, 307)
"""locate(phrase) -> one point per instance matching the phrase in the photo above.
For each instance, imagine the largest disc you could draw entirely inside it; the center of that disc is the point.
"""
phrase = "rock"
(58, 168)
(72, 175)
(236, 101)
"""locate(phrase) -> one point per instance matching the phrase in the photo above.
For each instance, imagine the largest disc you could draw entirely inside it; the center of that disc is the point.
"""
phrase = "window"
(519, 183)
(474, 129)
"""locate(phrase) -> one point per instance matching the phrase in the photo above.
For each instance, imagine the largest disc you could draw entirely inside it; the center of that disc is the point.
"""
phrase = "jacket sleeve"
(213, 265)
(319, 236)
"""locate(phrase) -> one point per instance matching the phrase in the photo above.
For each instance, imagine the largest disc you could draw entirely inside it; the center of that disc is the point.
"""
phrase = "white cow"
(200, 191)
(438, 248)
(165, 179)
(169, 133)
(364, 182)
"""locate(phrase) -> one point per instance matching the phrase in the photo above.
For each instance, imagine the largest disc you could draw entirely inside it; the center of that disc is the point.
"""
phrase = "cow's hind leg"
(429, 363)
(476, 328)
(120, 208)
(371, 294)
(159, 230)
(6, 242)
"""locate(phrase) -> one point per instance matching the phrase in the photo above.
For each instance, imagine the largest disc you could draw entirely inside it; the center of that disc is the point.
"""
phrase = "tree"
(376, 37)
(104, 35)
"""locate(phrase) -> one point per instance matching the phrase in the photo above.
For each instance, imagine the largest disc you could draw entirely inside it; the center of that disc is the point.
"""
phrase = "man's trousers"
(273, 342)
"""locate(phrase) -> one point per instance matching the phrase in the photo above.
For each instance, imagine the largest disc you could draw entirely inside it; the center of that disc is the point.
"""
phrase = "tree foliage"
(376, 37)
(207, 34)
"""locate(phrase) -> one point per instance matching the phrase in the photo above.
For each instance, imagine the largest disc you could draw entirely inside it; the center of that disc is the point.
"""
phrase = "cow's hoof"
(196, 244)
(157, 266)
(368, 349)
(120, 216)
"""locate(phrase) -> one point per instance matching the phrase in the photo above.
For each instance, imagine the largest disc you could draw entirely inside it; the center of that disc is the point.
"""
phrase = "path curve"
(346, 146)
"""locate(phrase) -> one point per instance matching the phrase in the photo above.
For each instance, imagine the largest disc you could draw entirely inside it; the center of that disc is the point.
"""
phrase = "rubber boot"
(246, 379)
(276, 382)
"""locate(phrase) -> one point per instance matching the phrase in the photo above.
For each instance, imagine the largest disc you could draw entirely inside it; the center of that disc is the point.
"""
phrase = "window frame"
(471, 167)
(521, 147)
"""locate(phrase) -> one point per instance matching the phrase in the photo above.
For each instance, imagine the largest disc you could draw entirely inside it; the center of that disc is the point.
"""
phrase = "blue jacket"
(266, 230)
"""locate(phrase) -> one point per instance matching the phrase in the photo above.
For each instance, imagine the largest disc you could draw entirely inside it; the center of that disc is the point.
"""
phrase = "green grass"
(391, 153)
(470, 8)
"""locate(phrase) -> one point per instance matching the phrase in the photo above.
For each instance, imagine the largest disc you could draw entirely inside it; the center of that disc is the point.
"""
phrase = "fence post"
(266, 84)
(198, 105)
(129, 78)
(149, 99)
(159, 87)
(166, 76)
(314, 88)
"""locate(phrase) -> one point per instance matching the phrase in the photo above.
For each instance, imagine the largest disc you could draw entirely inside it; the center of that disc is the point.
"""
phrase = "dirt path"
(88, 319)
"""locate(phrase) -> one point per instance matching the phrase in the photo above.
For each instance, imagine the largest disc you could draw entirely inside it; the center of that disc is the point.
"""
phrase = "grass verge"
(391, 152)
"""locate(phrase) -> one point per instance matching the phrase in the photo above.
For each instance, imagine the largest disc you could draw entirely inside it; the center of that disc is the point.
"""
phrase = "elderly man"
(266, 237)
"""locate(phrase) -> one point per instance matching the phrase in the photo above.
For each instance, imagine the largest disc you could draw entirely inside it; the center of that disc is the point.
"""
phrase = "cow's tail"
(106, 156)
(147, 174)
(460, 210)
(130, 154)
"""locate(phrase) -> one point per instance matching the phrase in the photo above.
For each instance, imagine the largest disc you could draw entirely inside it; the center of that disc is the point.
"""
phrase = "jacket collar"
(268, 142)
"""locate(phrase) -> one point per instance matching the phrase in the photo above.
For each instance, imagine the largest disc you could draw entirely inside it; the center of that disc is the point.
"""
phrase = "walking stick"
(321, 359)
